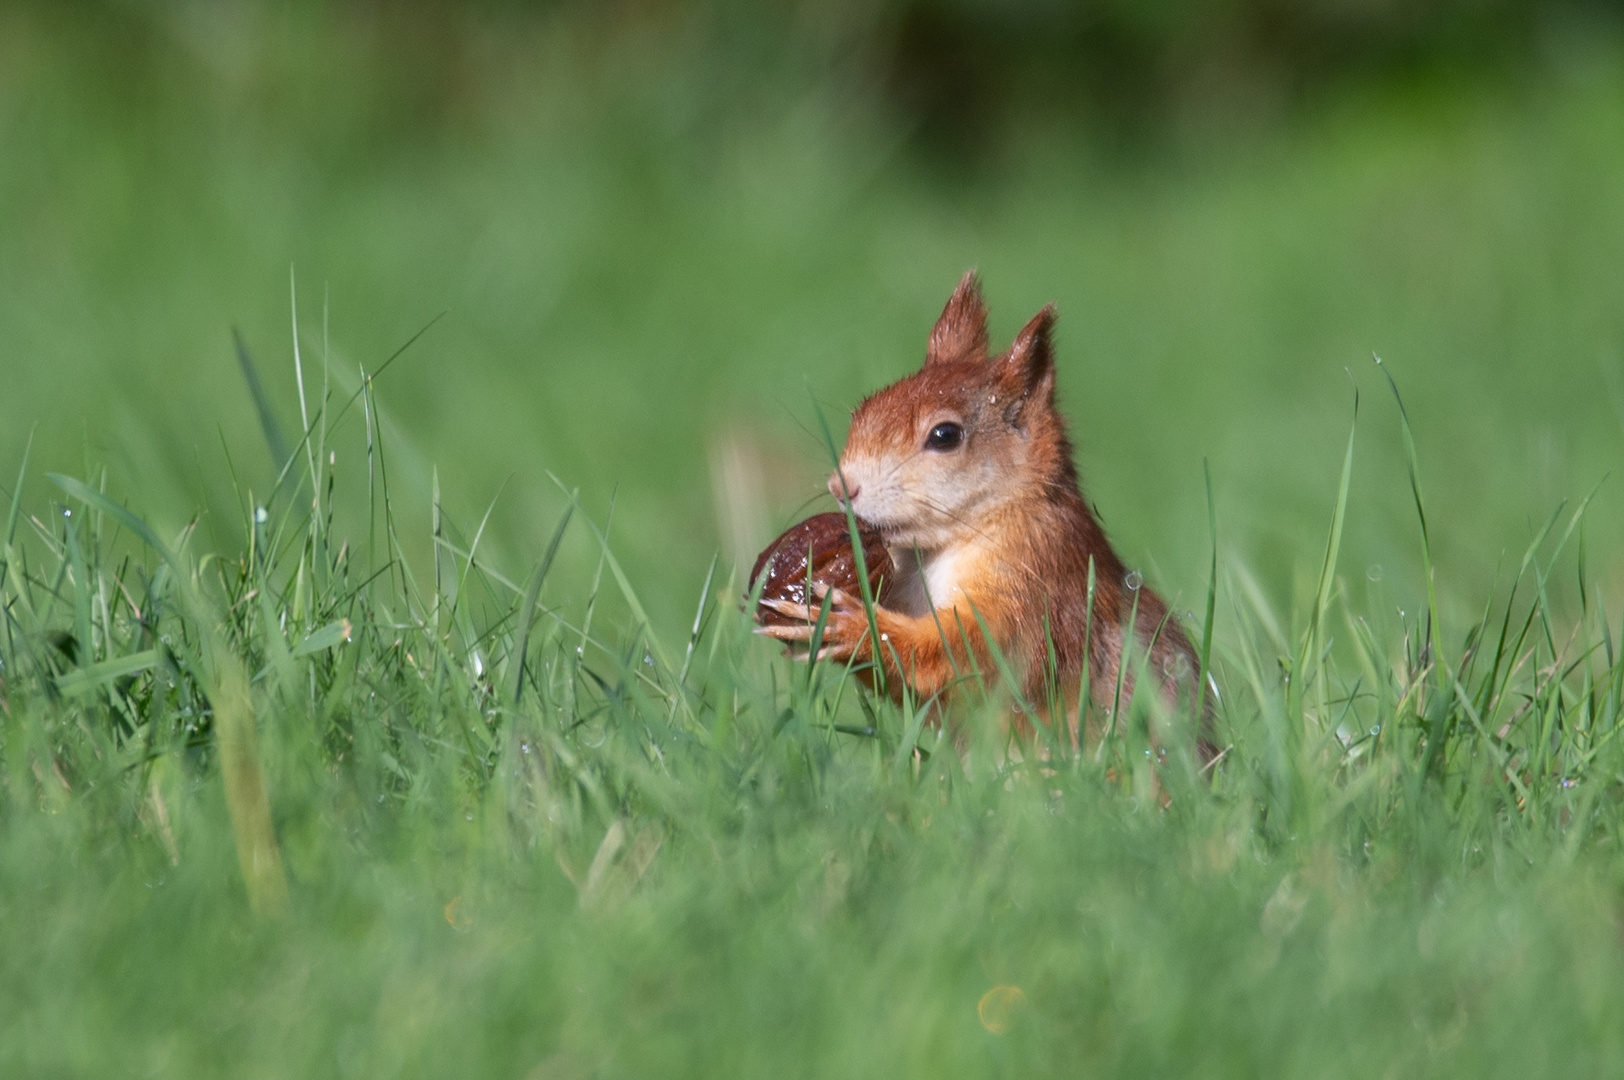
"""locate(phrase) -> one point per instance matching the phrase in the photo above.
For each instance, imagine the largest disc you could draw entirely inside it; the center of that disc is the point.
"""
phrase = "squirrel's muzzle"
(842, 491)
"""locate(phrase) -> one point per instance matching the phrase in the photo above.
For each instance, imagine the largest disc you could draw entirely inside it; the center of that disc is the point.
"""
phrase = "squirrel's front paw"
(843, 630)
(847, 625)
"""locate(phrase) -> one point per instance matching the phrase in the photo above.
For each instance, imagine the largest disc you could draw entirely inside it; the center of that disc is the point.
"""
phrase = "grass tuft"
(496, 835)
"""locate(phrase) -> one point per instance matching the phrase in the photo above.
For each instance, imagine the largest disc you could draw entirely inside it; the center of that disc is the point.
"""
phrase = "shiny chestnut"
(818, 550)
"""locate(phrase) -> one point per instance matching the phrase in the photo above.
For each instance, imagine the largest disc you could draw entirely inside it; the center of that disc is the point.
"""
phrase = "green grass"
(279, 797)
(508, 839)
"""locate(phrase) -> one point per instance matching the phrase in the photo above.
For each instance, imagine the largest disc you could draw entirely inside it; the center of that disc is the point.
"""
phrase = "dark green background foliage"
(533, 817)
(653, 227)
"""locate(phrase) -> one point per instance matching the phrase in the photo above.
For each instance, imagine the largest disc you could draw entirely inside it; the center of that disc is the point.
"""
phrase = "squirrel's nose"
(836, 490)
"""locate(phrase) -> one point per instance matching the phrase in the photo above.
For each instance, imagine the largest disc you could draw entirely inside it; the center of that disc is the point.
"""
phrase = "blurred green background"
(663, 235)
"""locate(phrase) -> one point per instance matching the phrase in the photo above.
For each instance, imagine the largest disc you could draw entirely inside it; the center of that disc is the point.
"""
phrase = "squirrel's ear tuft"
(1028, 368)
(961, 332)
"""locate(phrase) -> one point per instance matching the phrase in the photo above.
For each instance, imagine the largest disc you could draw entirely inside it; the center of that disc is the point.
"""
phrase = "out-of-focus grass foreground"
(390, 395)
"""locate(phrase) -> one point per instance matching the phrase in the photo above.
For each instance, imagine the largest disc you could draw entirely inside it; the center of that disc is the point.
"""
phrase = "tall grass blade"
(275, 440)
(855, 538)
(1205, 673)
(532, 595)
(17, 493)
(298, 378)
(1312, 650)
(624, 583)
(1414, 462)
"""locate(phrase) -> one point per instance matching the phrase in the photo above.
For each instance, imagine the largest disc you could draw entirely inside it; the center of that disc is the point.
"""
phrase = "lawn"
(446, 749)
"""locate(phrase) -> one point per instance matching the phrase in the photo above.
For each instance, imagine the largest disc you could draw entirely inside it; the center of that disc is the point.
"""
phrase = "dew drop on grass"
(260, 515)
(1134, 580)
(1374, 573)
(66, 512)
(1375, 730)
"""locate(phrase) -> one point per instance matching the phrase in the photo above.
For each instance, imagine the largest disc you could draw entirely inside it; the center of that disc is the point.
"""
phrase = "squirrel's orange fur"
(965, 468)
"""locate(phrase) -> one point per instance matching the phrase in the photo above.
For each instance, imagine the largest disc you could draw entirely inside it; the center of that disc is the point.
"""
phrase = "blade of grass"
(1414, 462)
(1212, 596)
(626, 590)
(855, 538)
(1311, 652)
(96, 675)
(17, 492)
(532, 595)
(275, 440)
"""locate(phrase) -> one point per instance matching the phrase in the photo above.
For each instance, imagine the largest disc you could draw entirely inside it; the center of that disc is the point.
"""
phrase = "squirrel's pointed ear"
(961, 332)
(1028, 367)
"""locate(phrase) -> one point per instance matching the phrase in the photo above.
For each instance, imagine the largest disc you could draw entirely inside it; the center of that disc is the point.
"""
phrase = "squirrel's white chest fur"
(928, 579)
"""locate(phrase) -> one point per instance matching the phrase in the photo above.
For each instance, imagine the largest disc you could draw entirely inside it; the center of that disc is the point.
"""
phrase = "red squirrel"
(965, 469)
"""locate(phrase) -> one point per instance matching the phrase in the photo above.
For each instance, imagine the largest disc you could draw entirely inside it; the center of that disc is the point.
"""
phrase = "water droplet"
(469, 815)
(66, 512)
(1375, 729)
(260, 515)
(1375, 572)
(1134, 580)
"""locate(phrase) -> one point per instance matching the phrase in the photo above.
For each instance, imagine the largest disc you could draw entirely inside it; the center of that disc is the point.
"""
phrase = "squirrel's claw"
(794, 632)
(790, 609)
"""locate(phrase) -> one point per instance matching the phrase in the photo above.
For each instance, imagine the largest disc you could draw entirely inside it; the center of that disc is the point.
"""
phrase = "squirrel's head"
(930, 456)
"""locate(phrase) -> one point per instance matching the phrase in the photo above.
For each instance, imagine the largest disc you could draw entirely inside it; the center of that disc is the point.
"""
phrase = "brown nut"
(818, 549)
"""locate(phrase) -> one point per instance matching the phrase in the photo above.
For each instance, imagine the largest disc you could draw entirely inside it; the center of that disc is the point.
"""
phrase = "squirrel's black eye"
(944, 437)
